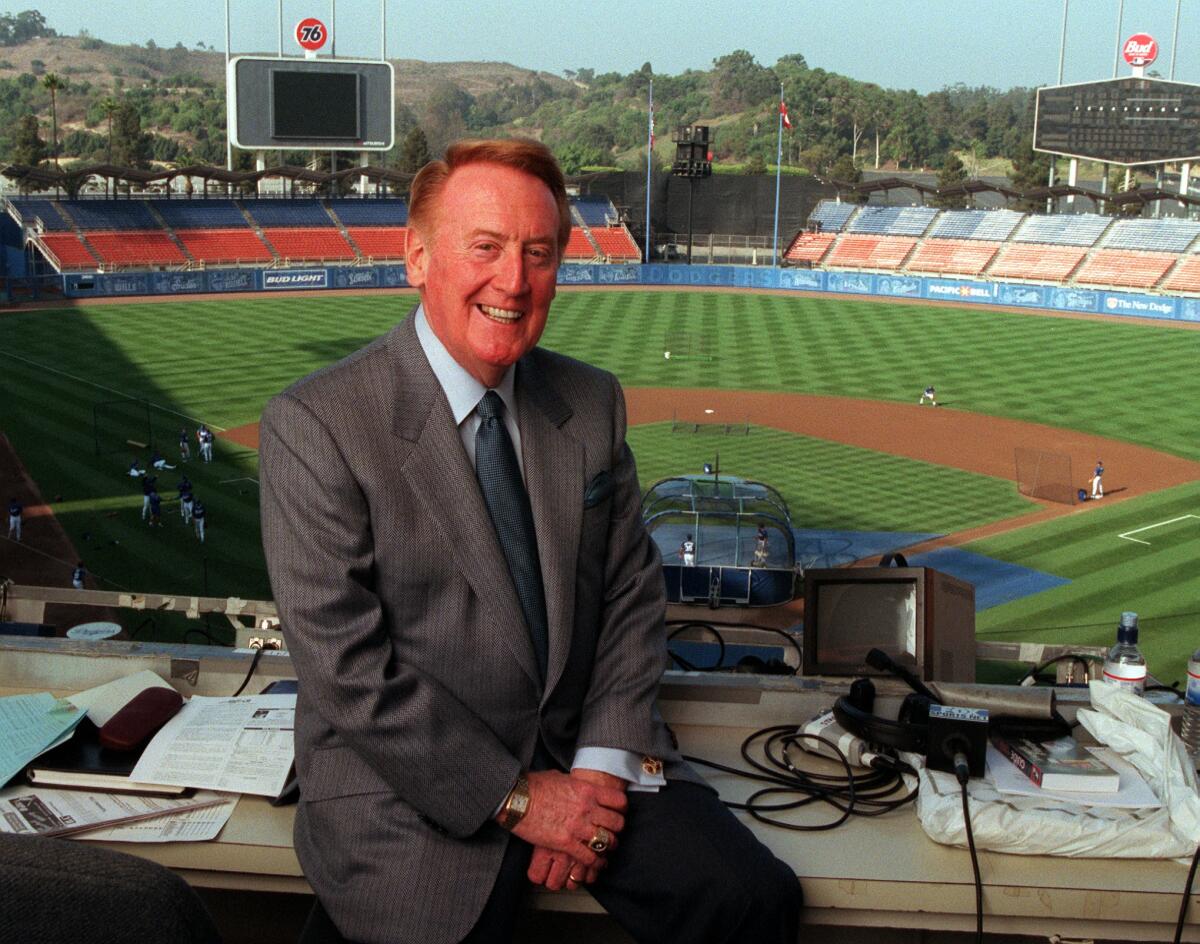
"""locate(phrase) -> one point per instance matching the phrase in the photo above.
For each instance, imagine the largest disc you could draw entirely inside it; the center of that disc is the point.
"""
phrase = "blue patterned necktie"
(508, 505)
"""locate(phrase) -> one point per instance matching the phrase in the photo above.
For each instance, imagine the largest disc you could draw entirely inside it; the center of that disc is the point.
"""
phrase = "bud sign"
(311, 34)
(1140, 49)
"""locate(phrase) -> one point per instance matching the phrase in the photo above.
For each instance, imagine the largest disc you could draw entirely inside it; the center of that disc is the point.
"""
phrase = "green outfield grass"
(219, 361)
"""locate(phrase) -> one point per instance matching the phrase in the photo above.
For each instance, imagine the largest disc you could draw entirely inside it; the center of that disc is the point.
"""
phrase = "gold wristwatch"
(516, 804)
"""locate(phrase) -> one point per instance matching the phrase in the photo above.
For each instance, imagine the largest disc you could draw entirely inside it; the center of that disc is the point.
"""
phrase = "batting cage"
(1046, 475)
(724, 540)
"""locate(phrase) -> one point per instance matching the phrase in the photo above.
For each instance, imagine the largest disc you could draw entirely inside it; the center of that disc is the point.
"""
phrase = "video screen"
(321, 105)
(854, 617)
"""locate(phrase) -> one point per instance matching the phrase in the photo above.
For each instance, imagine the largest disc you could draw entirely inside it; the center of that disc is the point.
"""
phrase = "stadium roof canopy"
(1063, 190)
(1150, 195)
(969, 187)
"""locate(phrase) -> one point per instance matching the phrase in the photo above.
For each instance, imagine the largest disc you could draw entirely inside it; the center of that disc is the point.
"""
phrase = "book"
(82, 763)
(1062, 764)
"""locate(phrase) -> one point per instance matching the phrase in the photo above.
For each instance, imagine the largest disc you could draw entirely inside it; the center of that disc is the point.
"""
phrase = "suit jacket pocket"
(599, 488)
(338, 772)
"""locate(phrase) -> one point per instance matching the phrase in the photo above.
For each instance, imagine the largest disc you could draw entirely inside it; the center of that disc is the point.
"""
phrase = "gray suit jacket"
(419, 695)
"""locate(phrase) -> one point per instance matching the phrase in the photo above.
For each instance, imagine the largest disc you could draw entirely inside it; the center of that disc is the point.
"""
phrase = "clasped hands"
(566, 812)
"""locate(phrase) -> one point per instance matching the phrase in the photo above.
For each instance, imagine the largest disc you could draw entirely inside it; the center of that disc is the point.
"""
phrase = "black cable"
(790, 787)
(253, 665)
(682, 625)
(974, 865)
(208, 637)
(1187, 892)
(684, 663)
(1076, 657)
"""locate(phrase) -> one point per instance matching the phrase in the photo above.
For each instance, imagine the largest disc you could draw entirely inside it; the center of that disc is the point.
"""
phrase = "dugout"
(721, 515)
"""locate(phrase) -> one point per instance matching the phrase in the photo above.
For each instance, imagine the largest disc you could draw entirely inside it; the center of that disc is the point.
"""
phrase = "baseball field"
(827, 389)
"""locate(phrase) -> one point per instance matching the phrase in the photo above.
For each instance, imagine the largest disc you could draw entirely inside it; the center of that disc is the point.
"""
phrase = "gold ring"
(601, 840)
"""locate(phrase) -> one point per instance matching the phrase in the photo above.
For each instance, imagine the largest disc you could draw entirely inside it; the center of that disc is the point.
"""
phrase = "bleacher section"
(68, 251)
(225, 246)
(105, 215)
(31, 209)
(309, 243)
(595, 210)
(869, 252)
(992, 225)
(1185, 277)
(893, 221)
(379, 242)
(960, 256)
(1037, 262)
(579, 247)
(387, 211)
(1154, 235)
(616, 244)
(809, 247)
(136, 247)
(288, 214)
(1122, 267)
(200, 214)
(831, 217)
(1081, 229)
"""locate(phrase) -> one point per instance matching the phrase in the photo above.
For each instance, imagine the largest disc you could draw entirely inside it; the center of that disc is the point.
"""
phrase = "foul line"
(1149, 526)
(119, 393)
(244, 478)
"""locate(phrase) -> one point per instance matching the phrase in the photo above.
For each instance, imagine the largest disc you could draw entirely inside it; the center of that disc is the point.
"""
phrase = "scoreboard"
(1123, 121)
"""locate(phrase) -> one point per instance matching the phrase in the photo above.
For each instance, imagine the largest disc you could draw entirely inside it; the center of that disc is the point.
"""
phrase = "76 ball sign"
(311, 33)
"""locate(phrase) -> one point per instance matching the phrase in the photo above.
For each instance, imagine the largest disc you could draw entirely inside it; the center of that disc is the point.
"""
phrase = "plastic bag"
(1137, 730)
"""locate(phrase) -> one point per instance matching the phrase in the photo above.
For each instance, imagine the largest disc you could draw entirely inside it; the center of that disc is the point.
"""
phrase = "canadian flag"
(787, 122)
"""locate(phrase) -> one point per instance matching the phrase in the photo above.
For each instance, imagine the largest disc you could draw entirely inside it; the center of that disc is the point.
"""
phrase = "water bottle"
(1125, 666)
(1189, 730)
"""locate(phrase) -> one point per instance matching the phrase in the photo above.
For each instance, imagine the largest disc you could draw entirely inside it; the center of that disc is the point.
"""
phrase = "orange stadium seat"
(219, 246)
(579, 246)
(616, 243)
(379, 242)
(68, 251)
(869, 252)
(809, 247)
(136, 247)
(309, 242)
(1185, 277)
(1125, 267)
(961, 256)
(1036, 261)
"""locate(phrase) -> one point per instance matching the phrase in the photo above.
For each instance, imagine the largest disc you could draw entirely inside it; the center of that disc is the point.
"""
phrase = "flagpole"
(649, 163)
(778, 172)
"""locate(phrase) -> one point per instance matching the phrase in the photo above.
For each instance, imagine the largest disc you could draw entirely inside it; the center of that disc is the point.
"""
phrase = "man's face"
(486, 267)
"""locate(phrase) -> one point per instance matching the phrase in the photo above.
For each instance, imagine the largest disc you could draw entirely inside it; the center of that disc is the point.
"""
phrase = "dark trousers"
(685, 871)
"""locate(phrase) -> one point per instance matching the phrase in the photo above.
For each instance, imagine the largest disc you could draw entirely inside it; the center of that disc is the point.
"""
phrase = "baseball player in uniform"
(198, 516)
(1097, 484)
(185, 499)
(78, 575)
(185, 450)
(761, 540)
(927, 395)
(687, 552)
(148, 486)
(14, 519)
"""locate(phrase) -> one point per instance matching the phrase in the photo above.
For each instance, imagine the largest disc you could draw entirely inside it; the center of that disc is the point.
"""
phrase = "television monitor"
(314, 105)
(924, 619)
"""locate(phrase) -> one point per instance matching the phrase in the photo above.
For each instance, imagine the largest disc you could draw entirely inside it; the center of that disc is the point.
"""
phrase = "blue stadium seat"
(596, 210)
(200, 214)
(990, 225)
(372, 211)
(893, 221)
(287, 213)
(1068, 229)
(832, 215)
(33, 208)
(1159, 235)
(110, 214)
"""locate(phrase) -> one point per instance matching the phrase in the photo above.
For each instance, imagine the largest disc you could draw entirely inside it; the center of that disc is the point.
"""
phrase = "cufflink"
(652, 766)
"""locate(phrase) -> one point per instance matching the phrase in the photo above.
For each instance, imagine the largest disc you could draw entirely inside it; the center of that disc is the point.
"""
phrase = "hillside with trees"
(77, 98)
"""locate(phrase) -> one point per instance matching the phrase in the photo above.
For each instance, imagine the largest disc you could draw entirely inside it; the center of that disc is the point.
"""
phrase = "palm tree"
(108, 105)
(53, 85)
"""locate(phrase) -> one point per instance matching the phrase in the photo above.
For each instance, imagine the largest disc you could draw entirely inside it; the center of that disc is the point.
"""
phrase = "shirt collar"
(461, 389)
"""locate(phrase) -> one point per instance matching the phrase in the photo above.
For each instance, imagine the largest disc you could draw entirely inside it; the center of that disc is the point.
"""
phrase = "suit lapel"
(443, 480)
(554, 469)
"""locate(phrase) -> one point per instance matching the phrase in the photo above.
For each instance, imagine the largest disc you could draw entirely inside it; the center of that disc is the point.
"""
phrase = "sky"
(919, 44)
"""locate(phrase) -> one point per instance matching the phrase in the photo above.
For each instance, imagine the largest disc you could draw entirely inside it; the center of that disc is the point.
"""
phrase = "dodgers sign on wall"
(311, 33)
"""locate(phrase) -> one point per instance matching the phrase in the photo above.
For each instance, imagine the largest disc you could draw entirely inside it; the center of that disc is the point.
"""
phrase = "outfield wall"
(885, 285)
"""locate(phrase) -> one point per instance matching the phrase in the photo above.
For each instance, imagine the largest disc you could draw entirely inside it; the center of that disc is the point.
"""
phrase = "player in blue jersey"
(1097, 483)
(198, 518)
(155, 503)
(927, 395)
(78, 575)
(185, 450)
(149, 485)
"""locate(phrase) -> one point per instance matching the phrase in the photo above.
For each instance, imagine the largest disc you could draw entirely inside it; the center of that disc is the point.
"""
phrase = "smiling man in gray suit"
(475, 612)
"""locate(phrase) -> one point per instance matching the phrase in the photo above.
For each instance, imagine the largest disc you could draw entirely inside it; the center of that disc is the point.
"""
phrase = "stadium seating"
(105, 215)
(373, 212)
(136, 248)
(309, 243)
(1080, 229)
(1155, 235)
(288, 214)
(225, 246)
(1037, 262)
(1185, 277)
(831, 215)
(616, 243)
(595, 210)
(809, 247)
(579, 246)
(1124, 268)
(68, 251)
(32, 209)
(379, 242)
(961, 256)
(992, 225)
(200, 214)
(893, 221)
(869, 252)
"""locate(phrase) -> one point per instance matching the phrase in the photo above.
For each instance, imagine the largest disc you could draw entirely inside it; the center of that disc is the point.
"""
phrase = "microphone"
(882, 662)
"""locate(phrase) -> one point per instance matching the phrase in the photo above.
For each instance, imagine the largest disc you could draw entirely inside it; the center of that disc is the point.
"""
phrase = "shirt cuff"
(624, 764)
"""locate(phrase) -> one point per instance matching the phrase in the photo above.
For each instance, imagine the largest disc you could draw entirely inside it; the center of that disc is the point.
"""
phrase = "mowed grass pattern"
(829, 485)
